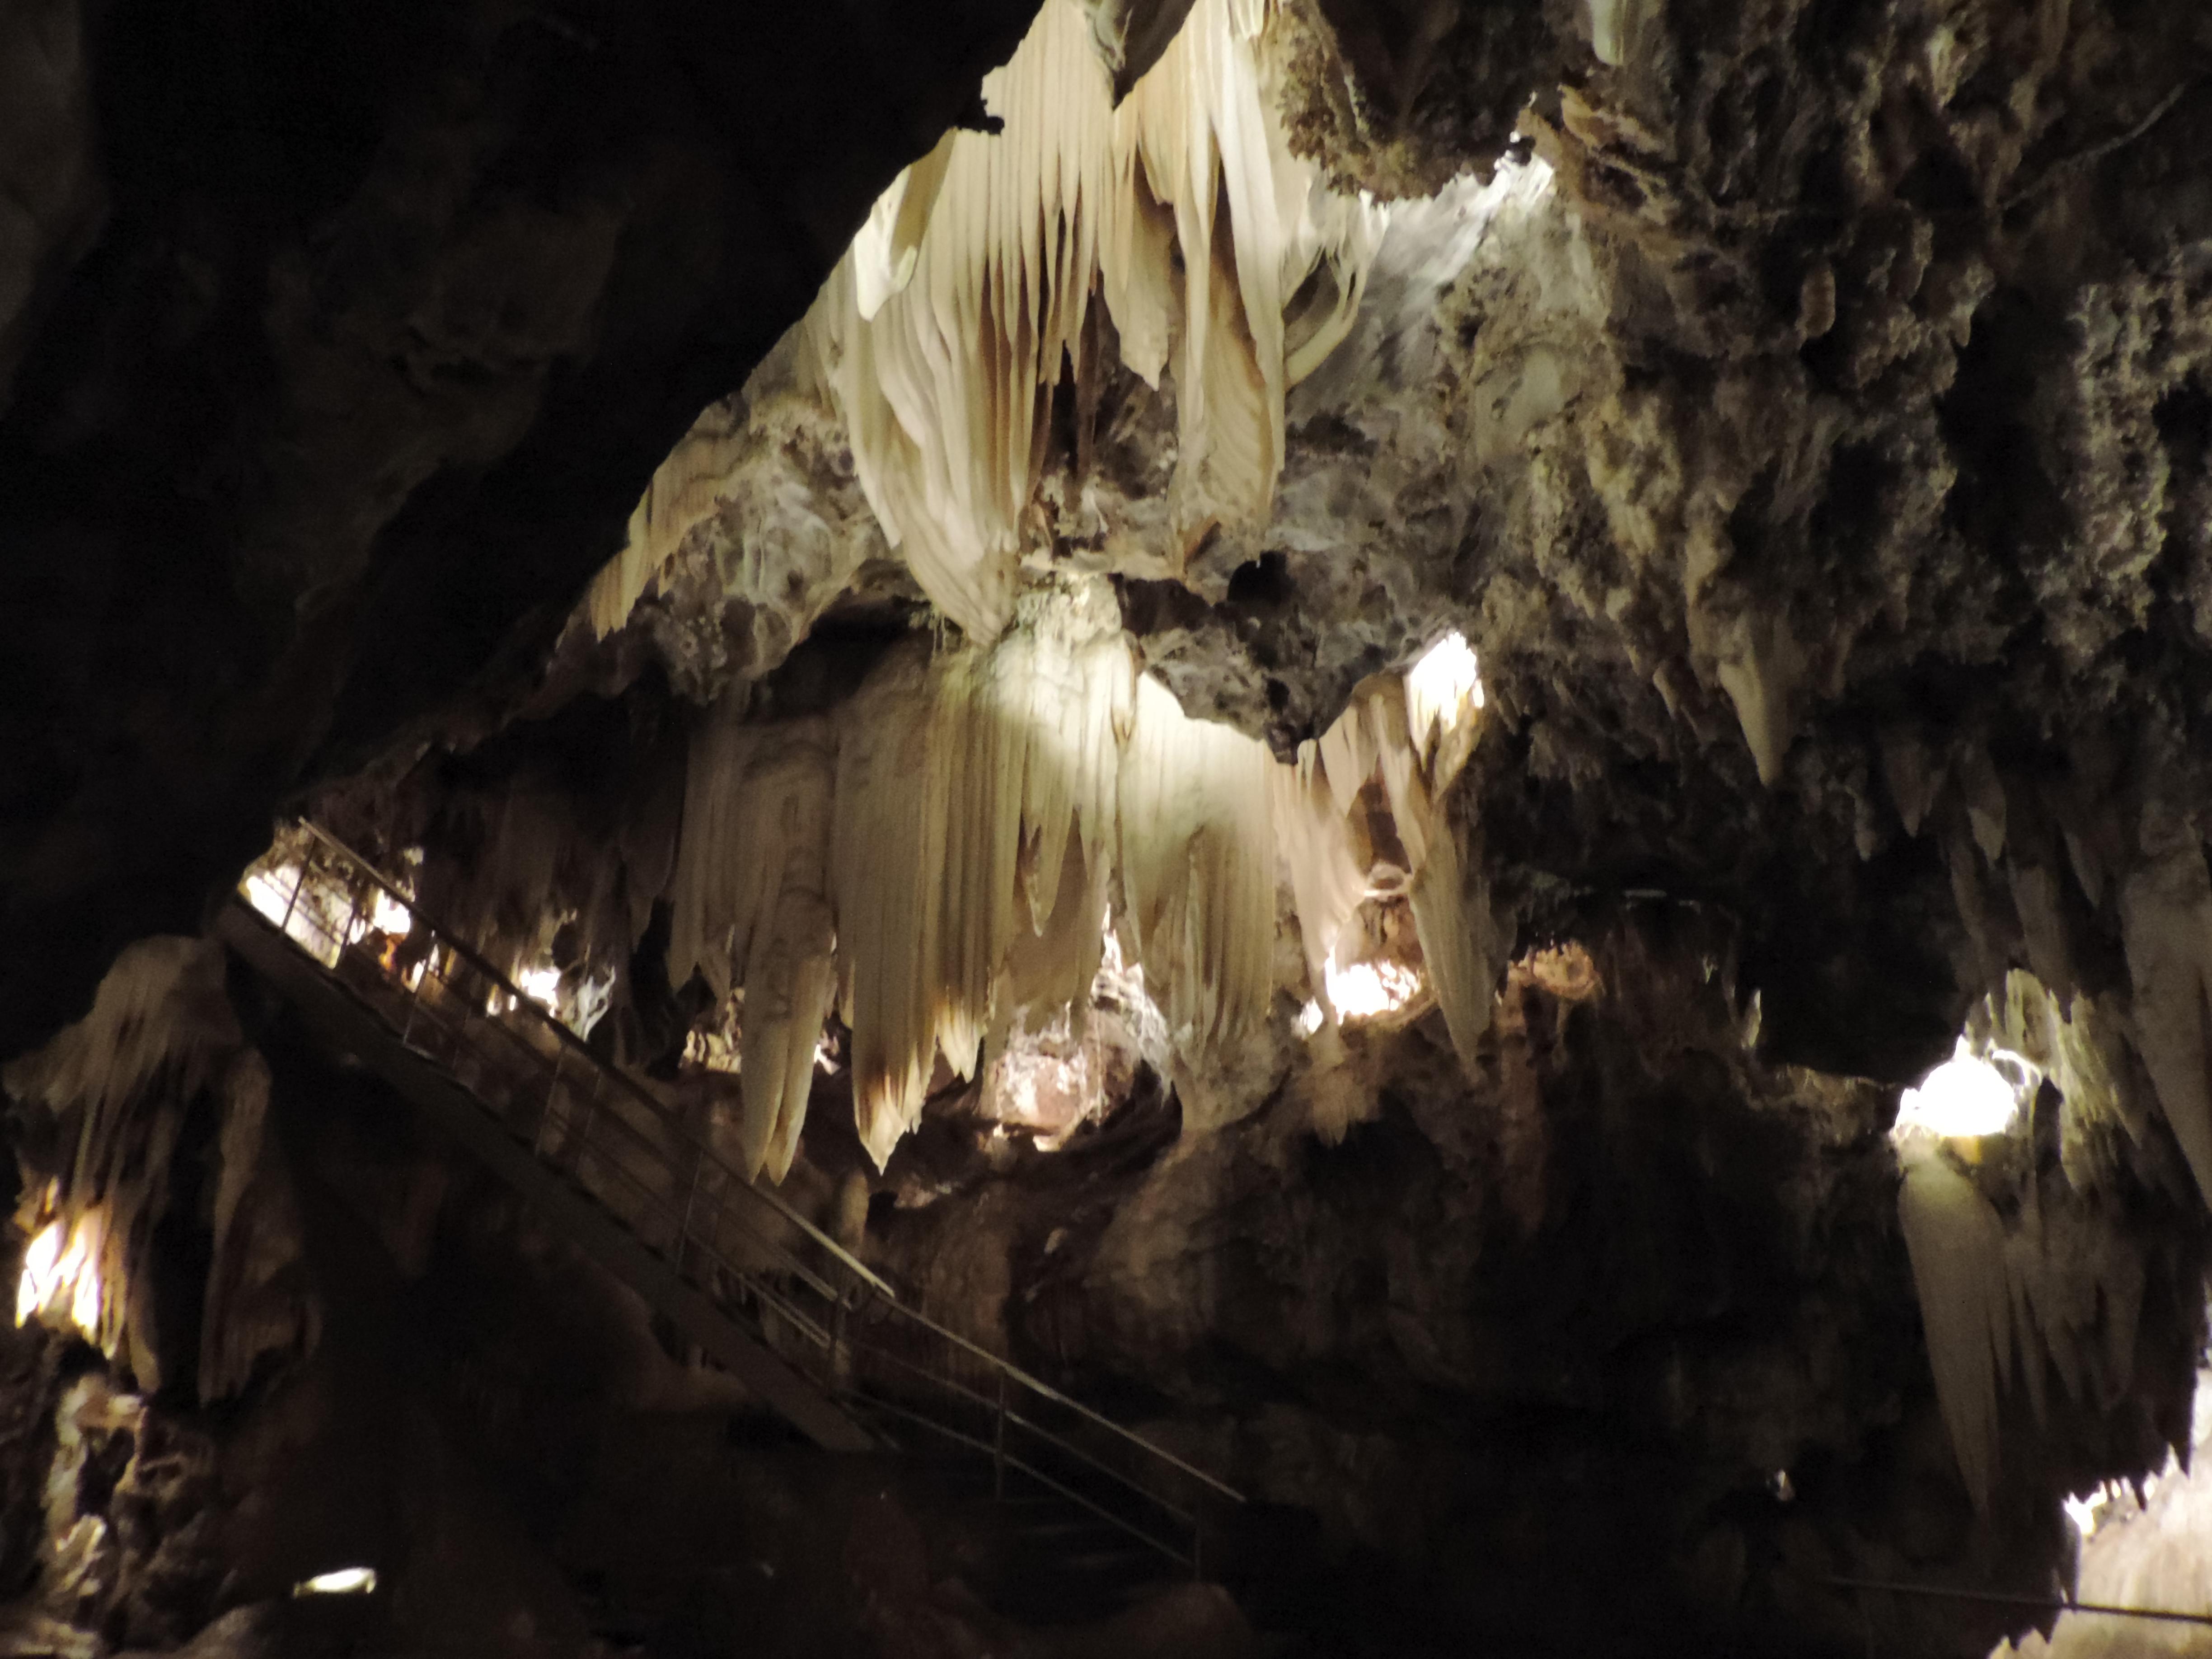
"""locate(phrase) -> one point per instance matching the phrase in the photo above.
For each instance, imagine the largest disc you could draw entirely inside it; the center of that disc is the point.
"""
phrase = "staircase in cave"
(1085, 1511)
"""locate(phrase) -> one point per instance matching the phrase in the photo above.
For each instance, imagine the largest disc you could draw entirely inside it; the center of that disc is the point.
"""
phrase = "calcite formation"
(941, 857)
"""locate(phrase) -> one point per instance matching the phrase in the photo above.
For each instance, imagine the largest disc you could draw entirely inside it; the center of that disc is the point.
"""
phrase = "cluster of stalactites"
(973, 288)
(934, 862)
(115, 1089)
(2056, 1288)
(1411, 734)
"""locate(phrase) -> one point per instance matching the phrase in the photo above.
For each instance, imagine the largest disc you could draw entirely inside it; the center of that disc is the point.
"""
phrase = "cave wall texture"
(335, 349)
(1804, 408)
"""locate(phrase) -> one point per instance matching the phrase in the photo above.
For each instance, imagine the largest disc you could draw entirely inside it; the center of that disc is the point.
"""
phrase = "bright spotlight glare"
(1368, 989)
(63, 1281)
(541, 985)
(344, 1581)
(1964, 1097)
(2083, 1512)
(1444, 689)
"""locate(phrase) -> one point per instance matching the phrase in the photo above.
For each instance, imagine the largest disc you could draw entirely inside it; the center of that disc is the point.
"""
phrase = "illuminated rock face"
(1805, 425)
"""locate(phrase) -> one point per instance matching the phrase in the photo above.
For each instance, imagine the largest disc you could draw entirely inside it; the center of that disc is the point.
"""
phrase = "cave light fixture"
(389, 917)
(1445, 677)
(61, 1274)
(270, 891)
(1967, 1097)
(339, 1580)
(542, 986)
(2086, 1510)
(1367, 989)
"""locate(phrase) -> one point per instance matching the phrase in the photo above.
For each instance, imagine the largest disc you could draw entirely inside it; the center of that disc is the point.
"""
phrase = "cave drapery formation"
(1307, 705)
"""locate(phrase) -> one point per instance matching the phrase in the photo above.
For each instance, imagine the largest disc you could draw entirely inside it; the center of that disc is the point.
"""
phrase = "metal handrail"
(681, 1146)
(2040, 1603)
(1014, 1373)
(1016, 1419)
(522, 1002)
(869, 1402)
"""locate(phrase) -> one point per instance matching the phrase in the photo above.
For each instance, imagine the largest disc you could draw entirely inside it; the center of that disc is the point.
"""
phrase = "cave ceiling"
(555, 447)
(1798, 409)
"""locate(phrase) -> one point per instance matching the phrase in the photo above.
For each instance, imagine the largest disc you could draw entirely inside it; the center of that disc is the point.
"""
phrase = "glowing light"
(715, 1053)
(389, 915)
(541, 985)
(63, 1281)
(344, 1581)
(1368, 989)
(1444, 689)
(39, 1263)
(825, 1057)
(1965, 1096)
(1309, 1019)
(2084, 1512)
(269, 891)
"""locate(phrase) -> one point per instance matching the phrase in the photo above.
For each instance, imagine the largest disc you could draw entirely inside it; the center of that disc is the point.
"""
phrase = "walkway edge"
(454, 1109)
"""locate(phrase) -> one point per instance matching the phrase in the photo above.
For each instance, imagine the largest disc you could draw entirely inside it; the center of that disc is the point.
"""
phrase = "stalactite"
(2166, 921)
(117, 1086)
(751, 909)
(2051, 1281)
(957, 830)
(964, 298)
(1956, 1246)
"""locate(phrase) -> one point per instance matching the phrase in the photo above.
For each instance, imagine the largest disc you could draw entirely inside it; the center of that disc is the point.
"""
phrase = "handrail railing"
(522, 1002)
(665, 1180)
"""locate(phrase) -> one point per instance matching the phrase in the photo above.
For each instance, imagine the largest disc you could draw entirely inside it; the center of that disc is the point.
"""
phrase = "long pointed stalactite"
(952, 835)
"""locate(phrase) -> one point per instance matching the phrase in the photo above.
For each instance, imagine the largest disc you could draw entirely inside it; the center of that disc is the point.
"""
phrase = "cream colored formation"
(115, 1090)
(933, 860)
(1176, 230)
(2044, 1287)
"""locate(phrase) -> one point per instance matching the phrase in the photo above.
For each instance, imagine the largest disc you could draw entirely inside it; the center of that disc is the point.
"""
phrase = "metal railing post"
(552, 1089)
(293, 904)
(583, 1137)
(683, 1226)
(998, 1447)
(413, 997)
(345, 933)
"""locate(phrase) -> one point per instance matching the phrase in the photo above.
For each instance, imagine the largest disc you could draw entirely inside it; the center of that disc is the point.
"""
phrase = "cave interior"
(1207, 828)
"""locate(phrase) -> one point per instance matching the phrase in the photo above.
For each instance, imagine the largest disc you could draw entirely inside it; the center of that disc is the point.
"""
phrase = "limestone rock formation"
(898, 566)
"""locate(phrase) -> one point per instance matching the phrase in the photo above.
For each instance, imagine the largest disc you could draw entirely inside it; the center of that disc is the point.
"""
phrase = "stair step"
(465, 1061)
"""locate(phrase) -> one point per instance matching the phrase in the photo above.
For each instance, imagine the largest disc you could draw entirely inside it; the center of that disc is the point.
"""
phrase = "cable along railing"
(748, 1250)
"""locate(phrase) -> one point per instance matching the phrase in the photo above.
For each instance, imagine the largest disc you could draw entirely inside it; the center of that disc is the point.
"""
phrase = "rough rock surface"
(1807, 420)
(1530, 1359)
(387, 320)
